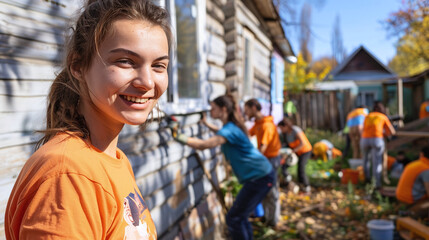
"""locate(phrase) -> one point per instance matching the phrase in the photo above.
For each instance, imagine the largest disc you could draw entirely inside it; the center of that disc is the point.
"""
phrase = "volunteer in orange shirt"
(375, 127)
(355, 124)
(294, 138)
(413, 186)
(268, 144)
(325, 149)
(78, 184)
(424, 109)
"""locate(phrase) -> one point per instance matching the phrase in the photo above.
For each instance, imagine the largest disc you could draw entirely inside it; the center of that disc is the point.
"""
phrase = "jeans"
(375, 147)
(250, 195)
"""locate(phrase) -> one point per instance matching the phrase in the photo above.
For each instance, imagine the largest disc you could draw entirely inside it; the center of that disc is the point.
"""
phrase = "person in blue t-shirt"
(252, 169)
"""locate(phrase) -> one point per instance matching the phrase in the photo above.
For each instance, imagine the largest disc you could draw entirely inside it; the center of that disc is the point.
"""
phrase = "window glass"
(187, 49)
(247, 68)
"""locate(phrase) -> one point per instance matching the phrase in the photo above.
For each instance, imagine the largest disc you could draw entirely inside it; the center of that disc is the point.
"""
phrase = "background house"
(221, 45)
(367, 72)
(415, 91)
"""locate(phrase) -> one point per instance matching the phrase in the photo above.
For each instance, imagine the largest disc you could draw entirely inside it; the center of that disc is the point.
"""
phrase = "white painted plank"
(27, 121)
(261, 59)
(215, 73)
(63, 8)
(170, 212)
(215, 11)
(19, 47)
(23, 88)
(214, 26)
(27, 69)
(22, 104)
(30, 28)
(245, 17)
(216, 90)
(171, 173)
(17, 139)
(216, 49)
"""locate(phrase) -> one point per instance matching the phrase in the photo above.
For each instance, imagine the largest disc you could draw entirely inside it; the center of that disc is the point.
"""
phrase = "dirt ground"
(332, 211)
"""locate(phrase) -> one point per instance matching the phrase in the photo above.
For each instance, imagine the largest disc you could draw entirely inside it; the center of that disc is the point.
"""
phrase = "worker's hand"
(174, 127)
(181, 138)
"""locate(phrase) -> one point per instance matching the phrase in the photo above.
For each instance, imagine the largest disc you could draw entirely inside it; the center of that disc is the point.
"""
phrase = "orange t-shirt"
(266, 134)
(424, 110)
(390, 161)
(293, 139)
(374, 124)
(404, 191)
(70, 190)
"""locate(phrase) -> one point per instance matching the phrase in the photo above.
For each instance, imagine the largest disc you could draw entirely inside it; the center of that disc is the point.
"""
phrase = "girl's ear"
(75, 69)
(224, 110)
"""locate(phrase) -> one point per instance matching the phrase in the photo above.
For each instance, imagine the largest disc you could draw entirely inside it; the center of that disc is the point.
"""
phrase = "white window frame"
(248, 91)
(363, 94)
(173, 104)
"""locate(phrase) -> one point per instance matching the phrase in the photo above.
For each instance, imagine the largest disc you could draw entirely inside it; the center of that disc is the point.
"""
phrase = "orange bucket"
(350, 175)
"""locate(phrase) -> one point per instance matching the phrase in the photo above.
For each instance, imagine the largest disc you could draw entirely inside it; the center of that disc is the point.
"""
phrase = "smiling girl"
(78, 184)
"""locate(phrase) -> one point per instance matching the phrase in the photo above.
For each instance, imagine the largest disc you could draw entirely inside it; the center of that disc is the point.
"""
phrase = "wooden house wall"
(238, 18)
(167, 173)
(31, 39)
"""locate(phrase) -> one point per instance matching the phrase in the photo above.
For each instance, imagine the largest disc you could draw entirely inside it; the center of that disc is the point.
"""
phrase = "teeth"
(136, 100)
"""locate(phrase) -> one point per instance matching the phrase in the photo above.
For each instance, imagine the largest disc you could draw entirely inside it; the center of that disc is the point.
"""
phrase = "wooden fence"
(325, 110)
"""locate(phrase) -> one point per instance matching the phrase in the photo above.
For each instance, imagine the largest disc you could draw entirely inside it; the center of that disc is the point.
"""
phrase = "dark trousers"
(302, 162)
(250, 195)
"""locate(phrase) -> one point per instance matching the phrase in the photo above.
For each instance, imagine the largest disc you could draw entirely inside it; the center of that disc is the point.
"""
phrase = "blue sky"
(359, 25)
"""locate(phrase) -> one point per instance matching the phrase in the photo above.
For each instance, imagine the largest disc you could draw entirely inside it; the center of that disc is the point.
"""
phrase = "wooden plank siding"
(239, 17)
(31, 39)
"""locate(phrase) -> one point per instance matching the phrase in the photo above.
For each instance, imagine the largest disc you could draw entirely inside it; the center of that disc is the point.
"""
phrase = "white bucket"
(355, 162)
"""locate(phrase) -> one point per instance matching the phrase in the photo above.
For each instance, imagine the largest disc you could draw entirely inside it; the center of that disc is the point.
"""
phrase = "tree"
(305, 32)
(298, 76)
(411, 25)
(338, 51)
(323, 66)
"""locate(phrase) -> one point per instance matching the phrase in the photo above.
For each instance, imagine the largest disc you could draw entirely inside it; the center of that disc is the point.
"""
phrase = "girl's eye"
(126, 62)
(160, 66)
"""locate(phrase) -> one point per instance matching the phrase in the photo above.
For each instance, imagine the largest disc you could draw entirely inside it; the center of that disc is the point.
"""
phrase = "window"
(247, 64)
(187, 49)
(277, 78)
(188, 62)
(366, 98)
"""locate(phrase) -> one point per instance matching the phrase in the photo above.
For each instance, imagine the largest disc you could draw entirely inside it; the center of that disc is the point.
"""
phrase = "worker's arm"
(384, 168)
(301, 140)
(211, 126)
(263, 148)
(206, 143)
(390, 128)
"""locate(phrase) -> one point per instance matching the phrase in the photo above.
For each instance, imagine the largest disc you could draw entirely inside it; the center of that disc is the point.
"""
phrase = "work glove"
(173, 125)
(181, 138)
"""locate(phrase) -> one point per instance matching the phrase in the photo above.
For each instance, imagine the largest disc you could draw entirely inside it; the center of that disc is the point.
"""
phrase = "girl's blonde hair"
(91, 28)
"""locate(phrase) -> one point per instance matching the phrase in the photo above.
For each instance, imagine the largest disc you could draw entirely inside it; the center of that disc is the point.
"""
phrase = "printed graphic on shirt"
(136, 214)
(373, 120)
